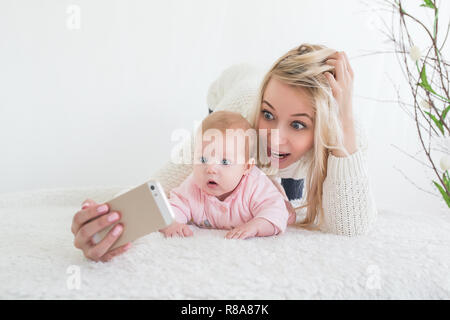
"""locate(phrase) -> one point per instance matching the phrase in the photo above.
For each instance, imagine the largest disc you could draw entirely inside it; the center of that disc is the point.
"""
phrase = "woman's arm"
(348, 204)
(236, 94)
(342, 88)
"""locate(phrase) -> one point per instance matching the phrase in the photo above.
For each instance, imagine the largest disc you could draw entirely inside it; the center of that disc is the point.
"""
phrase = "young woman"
(307, 97)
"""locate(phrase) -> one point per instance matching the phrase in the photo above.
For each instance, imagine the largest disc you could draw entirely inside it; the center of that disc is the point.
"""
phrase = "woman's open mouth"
(279, 156)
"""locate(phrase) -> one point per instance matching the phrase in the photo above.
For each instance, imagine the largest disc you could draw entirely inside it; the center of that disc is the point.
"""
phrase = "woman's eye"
(226, 162)
(298, 125)
(267, 115)
(203, 160)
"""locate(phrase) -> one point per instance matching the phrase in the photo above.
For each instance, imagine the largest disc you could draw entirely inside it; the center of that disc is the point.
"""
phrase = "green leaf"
(446, 179)
(427, 87)
(436, 121)
(443, 193)
(435, 24)
(428, 4)
(445, 112)
(424, 84)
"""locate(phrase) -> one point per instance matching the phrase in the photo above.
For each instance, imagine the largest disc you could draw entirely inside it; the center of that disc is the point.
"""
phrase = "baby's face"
(219, 167)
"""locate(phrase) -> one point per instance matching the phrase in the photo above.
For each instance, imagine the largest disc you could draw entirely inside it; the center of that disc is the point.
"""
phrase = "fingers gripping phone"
(144, 209)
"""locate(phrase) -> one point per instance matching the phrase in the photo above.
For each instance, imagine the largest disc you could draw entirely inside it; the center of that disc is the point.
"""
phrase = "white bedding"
(406, 256)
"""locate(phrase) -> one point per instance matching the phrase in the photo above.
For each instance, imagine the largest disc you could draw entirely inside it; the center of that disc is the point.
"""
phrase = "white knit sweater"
(349, 207)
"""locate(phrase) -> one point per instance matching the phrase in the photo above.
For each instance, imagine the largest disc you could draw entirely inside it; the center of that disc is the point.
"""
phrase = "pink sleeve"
(179, 200)
(267, 202)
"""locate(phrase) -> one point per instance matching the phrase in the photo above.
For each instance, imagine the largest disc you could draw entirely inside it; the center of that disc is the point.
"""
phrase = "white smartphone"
(144, 209)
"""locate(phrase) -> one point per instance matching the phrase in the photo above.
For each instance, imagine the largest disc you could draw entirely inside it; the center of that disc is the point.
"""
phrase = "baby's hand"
(254, 228)
(177, 229)
(292, 215)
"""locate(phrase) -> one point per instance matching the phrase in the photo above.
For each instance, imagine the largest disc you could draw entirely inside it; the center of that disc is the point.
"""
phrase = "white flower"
(425, 104)
(415, 53)
(445, 163)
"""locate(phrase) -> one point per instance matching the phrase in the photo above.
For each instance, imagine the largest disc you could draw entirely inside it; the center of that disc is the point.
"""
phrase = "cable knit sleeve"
(349, 207)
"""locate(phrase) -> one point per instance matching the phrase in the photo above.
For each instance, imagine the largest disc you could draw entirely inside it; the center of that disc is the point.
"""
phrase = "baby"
(226, 190)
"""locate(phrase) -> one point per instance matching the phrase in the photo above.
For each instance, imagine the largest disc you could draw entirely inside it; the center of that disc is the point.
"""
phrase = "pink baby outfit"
(255, 196)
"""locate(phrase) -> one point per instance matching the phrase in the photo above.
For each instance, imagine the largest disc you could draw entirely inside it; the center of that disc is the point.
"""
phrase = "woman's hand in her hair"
(342, 88)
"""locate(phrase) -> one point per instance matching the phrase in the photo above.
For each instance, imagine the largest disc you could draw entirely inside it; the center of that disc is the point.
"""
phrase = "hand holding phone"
(144, 209)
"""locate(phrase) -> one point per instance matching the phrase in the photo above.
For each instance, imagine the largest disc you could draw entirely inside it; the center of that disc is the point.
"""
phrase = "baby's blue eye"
(203, 160)
(267, 115)
(298, 125)
(226, 162)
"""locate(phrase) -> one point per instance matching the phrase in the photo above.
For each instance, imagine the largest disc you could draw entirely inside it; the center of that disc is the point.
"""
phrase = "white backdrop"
(90, 91)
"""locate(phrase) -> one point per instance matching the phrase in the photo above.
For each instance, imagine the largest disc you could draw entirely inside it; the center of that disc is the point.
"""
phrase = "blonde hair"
(228, 120)
(223, 120)
(304, 68)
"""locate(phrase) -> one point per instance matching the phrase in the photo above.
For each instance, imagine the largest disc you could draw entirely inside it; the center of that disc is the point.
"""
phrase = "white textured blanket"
(406, 256)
